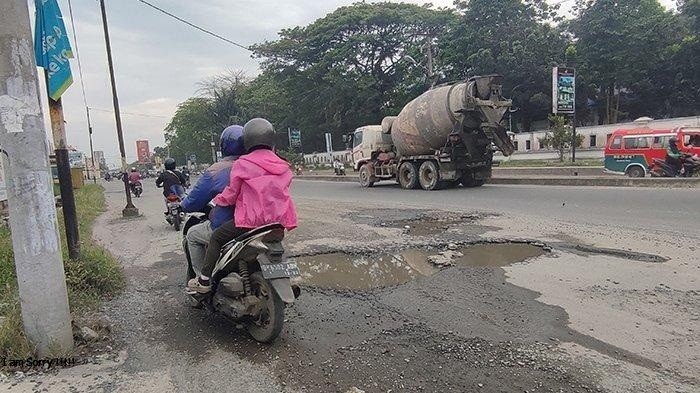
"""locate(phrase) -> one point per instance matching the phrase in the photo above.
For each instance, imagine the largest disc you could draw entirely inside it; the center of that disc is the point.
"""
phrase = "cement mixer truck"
(443, 138)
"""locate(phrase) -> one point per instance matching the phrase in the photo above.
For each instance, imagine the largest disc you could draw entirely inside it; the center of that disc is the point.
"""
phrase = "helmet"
(170, 164)
(133, 169)
(672, 139)
(232, 141)
(258, 132)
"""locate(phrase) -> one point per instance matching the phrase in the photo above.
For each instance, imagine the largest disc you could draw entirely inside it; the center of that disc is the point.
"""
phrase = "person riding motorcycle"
(169, 178)
(673, 155)
(212, 181)
(258, 189)
(134, 178)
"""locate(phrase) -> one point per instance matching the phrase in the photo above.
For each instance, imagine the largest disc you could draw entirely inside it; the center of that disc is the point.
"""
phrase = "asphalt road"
(673, 210)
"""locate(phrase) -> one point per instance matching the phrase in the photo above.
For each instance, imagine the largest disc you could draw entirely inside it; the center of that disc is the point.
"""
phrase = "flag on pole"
(52, 48)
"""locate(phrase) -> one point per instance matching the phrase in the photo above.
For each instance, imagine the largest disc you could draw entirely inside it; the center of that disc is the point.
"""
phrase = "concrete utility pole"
(35, 239)
(130, 210)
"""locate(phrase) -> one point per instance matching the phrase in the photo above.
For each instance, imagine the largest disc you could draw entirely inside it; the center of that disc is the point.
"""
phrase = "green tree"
(560, 136)
(513, 38)
(348, 69)
(621, 47)
(200, 120)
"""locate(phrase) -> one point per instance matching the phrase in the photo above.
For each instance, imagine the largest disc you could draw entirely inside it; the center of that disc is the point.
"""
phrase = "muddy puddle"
(341, 270)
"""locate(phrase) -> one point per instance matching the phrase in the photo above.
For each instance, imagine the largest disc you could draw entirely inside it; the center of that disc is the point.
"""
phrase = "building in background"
(143, 151)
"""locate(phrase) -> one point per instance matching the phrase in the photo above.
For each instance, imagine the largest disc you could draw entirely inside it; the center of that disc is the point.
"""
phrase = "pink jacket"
(259, 190)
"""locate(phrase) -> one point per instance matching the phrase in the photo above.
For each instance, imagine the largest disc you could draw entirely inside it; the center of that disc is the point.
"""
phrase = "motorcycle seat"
(257, 231)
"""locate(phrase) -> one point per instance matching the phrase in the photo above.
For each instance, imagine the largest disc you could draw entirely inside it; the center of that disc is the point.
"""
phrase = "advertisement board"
(563, 90)
(143, 152)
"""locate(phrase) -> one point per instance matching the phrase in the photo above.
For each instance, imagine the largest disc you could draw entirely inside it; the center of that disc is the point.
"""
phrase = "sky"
(158, 61)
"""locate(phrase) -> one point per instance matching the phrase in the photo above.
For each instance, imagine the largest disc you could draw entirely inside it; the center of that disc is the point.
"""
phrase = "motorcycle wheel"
(177, 221)
(268, 326)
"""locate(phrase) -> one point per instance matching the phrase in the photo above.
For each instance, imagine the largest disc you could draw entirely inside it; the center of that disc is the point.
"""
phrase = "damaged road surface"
(479, 290)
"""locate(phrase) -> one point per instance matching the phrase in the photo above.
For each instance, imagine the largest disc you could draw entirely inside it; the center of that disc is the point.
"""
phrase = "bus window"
(631, 143)
(660, 142)
(616, 143)
(642, 142)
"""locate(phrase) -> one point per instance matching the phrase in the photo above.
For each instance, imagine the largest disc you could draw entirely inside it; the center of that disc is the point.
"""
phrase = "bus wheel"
(635, 171)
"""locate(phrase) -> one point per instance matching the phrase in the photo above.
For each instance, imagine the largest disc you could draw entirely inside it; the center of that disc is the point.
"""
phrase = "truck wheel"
(366, 178)
(429, 176)
(408, 176)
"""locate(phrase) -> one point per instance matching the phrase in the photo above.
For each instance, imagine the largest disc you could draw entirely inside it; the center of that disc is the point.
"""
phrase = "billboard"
(563, 90)
(143, 152)
(329, 143)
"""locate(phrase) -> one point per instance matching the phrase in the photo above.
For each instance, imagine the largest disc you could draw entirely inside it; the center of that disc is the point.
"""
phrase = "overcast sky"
(158, 61)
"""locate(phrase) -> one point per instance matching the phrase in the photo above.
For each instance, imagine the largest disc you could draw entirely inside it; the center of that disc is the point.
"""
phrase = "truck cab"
(367, 141)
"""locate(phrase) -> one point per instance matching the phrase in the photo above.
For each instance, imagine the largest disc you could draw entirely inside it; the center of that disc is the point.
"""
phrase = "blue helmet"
(232, 141)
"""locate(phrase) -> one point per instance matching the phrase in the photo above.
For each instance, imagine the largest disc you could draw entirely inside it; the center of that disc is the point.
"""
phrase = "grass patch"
(549, 163)
(96, 275)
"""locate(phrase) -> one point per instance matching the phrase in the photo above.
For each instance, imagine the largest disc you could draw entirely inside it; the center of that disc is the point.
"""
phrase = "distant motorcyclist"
(134, 179)
(213, 180)
(170, 178)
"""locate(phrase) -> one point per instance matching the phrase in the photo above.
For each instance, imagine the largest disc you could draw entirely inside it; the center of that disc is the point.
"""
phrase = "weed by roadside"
(96, 275)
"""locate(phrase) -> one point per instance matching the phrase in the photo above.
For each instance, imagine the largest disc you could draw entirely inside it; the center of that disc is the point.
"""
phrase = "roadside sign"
(563, 90)
(294, 138)
(51, 46)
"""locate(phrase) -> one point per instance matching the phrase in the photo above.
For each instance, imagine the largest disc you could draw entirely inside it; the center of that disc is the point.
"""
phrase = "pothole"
(340, 270)
(430, 225)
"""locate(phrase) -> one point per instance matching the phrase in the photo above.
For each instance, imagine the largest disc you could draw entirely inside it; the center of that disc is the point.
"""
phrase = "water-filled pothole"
(339, 270)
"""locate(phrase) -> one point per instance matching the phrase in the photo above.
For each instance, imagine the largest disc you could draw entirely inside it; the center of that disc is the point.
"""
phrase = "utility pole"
(70, 215)
(35, 240)
(95, 171)
(129, 210)
(213, 149)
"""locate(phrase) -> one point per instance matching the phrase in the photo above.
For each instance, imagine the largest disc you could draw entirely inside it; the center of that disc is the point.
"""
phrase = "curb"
(558, 181)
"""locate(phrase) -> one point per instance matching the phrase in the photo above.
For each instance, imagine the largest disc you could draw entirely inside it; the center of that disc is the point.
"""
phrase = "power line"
(77, 52)
(129, 113)
(195, 26)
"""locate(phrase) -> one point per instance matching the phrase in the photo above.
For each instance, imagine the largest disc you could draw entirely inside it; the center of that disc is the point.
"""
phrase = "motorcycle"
(251, 280)
(175, 215)
(339, 171)
(136, 189)
(689, 167)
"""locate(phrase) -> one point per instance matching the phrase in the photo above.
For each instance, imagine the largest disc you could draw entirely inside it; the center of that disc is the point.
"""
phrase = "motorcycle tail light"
(173, 198)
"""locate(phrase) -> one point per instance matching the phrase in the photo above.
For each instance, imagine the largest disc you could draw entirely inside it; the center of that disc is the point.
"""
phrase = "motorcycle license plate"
(280, 270)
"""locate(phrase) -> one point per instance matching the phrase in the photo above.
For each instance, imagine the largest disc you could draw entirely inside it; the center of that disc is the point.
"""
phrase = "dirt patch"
(347, 271)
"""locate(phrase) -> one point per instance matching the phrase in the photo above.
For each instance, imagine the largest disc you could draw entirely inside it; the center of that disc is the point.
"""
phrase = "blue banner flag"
(51, 47)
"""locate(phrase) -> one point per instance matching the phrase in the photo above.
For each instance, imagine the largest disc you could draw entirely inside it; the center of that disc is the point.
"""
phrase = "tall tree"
(348, 68)
(620, 47)
(513, 38)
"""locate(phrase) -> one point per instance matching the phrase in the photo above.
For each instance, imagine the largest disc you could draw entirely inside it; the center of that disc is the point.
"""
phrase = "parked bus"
(631, 151)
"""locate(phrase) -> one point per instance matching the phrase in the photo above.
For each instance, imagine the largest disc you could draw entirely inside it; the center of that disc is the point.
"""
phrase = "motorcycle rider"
(134, 179)
(213, 180)
(258, 188)
(170, 178)
(673, 156)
